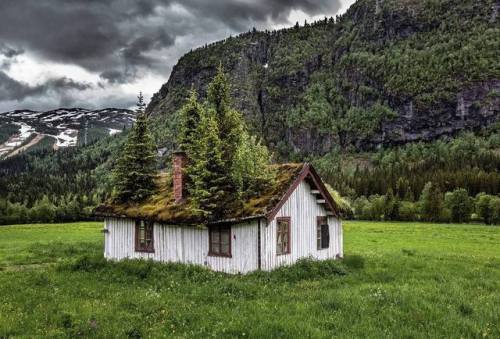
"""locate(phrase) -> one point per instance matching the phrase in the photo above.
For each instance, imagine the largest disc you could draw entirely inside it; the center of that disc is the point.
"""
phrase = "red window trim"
(320, 220)
(214, 254)
(138, 248)
(289, 222)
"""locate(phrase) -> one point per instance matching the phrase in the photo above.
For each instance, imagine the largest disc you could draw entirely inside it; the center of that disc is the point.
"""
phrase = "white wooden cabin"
(299, 220)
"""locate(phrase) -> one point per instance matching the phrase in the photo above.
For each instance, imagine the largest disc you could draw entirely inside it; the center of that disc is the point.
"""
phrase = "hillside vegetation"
(385, 73)
(397, 280)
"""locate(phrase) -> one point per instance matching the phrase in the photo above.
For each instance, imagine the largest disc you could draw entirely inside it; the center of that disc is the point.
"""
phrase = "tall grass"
(396, 280)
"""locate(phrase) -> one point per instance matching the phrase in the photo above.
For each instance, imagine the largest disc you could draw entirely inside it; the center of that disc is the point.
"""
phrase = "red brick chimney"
(179, 161)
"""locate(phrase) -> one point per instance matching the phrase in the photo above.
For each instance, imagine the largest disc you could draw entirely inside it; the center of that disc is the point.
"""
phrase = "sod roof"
(162, 208)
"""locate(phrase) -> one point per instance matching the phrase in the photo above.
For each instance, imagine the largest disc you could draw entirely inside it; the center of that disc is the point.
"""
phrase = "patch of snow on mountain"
(25, 132)
(113, 131)
(67, 138)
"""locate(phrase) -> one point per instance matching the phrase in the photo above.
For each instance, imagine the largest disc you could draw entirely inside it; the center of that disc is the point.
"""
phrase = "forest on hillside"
(384, 73)
(388, 184)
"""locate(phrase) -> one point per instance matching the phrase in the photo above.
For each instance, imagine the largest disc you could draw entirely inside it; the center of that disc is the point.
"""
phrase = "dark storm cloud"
(11, 89)
(98, 34)
(9, 52)
(238, 14)
(125, 40)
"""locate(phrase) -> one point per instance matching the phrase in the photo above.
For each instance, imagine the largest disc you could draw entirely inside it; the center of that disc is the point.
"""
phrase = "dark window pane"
(325, 236)
(215, 236)
(282, 235)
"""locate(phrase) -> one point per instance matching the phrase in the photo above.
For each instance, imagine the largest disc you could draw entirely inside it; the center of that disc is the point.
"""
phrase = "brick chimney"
(179, 161)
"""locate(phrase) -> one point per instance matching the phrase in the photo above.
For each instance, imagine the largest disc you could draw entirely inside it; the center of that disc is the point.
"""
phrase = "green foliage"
(208, 187)
(342, 203)
(366, 121)
(7, 130)
(354, 261)
(408, 211)
(225, 164)
(431, 203)
(469, 161)
(135, 170)
(229, 121)
(460, 205)
(486, 207)
(190, 117)
(347, 77)
(250, 170)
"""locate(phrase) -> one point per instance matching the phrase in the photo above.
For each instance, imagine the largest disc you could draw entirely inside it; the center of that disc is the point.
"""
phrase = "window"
(283, 235)
(220, 240)
(144, 236)
(322, 233)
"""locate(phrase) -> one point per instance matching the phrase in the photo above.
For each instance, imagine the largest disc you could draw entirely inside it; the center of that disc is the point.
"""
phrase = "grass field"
(401, 280)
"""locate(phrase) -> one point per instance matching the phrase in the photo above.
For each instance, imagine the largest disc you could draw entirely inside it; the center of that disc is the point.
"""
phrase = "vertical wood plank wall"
(184, 244)
(190, 245)
(303, 209)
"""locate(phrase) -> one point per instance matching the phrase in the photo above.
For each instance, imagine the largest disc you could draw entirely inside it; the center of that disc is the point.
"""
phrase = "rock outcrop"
(385, 73)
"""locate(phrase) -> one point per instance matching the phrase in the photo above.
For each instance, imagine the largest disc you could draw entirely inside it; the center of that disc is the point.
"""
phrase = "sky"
(97, 54)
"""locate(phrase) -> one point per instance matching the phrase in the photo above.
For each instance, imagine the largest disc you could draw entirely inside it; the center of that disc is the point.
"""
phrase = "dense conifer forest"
(390, 184)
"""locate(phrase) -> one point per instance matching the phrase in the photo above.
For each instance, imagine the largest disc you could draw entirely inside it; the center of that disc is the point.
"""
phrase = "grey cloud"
(115, 77)
(9, 51)
(124, 40)
(11, 89)
(100, 34)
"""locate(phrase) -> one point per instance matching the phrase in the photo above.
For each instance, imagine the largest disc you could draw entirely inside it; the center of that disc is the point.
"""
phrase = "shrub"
(431, 203)
(87, 263)
(408, 211)
(354, 261)
(495, 211)
(359, 207)
(484, 207)
(305, 269)
(459, 204)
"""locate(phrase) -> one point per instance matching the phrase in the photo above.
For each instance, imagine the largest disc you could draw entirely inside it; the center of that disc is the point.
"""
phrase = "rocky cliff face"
(386, 73)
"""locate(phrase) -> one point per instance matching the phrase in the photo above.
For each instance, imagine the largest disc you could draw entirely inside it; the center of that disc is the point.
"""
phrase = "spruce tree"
(135, 171)
(229, 121)
(190, 116)
(249, 169)
(206, 171)
(225, 164)
(431, 203)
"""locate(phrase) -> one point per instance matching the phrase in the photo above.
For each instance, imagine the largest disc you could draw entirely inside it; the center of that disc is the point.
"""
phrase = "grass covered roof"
(162, 208)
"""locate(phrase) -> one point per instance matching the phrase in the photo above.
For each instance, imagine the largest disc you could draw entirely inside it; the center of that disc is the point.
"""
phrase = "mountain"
(387, 72)
(63, 127)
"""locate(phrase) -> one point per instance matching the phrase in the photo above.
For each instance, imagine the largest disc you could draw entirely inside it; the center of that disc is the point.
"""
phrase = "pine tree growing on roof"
(135, 171)
(190, 117)
(207, 187)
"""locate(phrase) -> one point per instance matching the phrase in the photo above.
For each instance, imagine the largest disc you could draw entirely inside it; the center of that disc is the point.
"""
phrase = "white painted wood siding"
(303, 209)
(184, 244)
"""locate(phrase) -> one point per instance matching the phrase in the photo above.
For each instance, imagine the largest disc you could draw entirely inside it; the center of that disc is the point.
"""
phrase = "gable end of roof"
(307, 172)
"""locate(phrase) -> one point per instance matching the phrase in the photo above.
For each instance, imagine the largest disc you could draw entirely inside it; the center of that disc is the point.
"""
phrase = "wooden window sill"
(145, 251)
(219, 255)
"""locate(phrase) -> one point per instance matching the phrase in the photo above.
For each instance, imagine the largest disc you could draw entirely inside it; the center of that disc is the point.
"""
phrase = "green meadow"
(397, 280)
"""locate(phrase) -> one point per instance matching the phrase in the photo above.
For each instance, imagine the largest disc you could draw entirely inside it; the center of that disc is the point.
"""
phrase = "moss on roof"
(161, 207)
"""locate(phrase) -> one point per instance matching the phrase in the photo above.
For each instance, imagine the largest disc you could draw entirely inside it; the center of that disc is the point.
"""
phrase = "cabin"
(295, 217)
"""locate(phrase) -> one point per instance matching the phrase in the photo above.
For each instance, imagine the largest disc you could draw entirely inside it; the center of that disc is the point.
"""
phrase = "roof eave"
(307, 169)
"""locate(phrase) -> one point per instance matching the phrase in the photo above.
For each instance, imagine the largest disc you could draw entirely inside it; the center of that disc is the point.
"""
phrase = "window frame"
(289, 245)
(321, 221)
(218, 228)
(148, 229)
